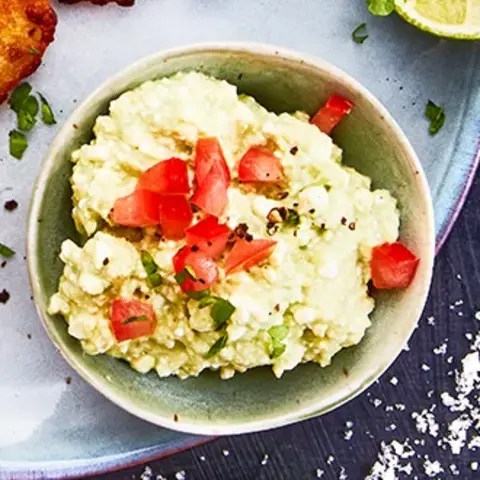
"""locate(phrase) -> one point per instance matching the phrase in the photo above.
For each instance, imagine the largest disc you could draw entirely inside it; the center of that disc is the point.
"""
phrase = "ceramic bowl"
(373, 143)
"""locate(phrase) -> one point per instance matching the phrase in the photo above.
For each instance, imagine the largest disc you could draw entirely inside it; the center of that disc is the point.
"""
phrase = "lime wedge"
(459, 19)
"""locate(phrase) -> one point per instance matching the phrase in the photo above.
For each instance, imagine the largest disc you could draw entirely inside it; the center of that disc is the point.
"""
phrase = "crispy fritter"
(27, 27)
(122, 3)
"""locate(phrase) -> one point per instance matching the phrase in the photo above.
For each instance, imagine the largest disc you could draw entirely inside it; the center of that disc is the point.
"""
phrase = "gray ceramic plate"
(50, 441)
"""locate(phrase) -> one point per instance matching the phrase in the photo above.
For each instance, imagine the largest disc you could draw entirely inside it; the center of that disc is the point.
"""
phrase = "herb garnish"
(217, 346)
(151, 268)
(18, 96)
(6, 252)
(182, 275)
(277, 333)
(293, 218)
(17, 144)
(221, 311)
(436, 115)
(48, 118)
(199, 295)
(359, 35)
(141, 318)
(381, 7)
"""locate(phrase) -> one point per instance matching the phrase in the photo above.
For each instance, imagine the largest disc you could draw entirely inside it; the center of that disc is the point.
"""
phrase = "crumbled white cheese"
(474, 466)
(389, 461)
(426, 423)
(441, 349)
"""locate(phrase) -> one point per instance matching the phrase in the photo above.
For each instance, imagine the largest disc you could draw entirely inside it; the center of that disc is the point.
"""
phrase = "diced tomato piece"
(245, 254)
(392, 266)
(168, 177)
(175, 215)
(132, 319)
(330, 115)
(208, 153)
(206, 270)
(211, 195)
(139, 209)
(209, 236)
(260, 165)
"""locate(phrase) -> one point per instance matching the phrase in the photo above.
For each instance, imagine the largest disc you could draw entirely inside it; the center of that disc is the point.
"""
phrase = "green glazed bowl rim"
(50, 160)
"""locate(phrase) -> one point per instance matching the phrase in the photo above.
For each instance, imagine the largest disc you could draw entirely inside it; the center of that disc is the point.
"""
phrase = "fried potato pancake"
(122, 3)
(27, 27)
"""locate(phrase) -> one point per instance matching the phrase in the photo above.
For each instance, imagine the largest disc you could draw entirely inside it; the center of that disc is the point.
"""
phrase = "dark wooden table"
(296, 452)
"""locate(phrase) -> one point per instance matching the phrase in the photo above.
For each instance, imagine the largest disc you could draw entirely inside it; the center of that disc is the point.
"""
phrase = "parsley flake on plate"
(381, 7)
(277, 333)
(359, 35)
(19, 95)
(18, 144)
(436, 115)
(6, 251)
(48, 118)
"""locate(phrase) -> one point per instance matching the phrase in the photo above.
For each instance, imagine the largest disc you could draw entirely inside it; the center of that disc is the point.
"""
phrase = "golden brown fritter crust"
(122, 3)
(27, 27)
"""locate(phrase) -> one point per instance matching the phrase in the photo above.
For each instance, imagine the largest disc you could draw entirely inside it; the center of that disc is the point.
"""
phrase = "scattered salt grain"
(389, 461)
(458, 276)
(146, 474)
(181, 475)
(265, 459)
(400, 406)
(458, 303)
(342, 475)
(474, 466)
(477, 316)
(454, 469)
(425, 367)
(319, 473)
(376, 402)
(391, 428)
(203, 459)
(330, 459)
(348, 435)
(394, 381)
(431, 469)
(426, 423)
(349, 424)
(226, 453)
(441, 349)
(160, 477)
(431, 320)
(469, 336)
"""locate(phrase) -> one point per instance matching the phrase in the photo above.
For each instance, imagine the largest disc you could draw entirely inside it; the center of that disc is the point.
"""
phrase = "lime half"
(459, 19)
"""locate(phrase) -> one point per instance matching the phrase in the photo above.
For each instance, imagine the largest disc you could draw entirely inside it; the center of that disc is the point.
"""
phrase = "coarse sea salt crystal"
(426, 423)
(394, 381)
(432, 469)
(319, 473)
(389, 461)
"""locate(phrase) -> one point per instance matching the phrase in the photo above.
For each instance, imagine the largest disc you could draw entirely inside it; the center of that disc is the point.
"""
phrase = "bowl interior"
(281, 82)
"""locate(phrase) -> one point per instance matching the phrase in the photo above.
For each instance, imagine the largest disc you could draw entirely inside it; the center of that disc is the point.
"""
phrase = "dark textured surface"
(297, 451)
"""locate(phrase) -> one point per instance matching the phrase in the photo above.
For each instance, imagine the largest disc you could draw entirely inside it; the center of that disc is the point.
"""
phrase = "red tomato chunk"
(168, 177)
(212, 176)
(330, 115)
(175, 215)
(392, 266)
(205, 269)
(260, 165)
(132, 319)
(139, 209)
(209, 236)
(245, 255)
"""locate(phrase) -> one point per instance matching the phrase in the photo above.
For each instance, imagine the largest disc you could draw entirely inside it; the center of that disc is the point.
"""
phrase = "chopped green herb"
(155, 279)
(19, 95)
(141, 318)
(303, 247)
(381, 7)
(25, 121)
(221, 311)
(48, 118)
(206, 302)
(180, 277)
(190, 272)
(34, 51)
(199, 295)
(436, 115)
(5, 251)
(293, 218)
(359, 35)
(217, 346)
(278, 350)
(278, 332)
(30, 105)
(18, 144)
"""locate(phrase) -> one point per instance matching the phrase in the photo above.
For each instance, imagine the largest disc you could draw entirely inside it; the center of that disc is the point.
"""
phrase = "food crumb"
(175, 418)
(4, 296)
(265, 459)
(3, 264)
(11, 205)
(29, 336)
